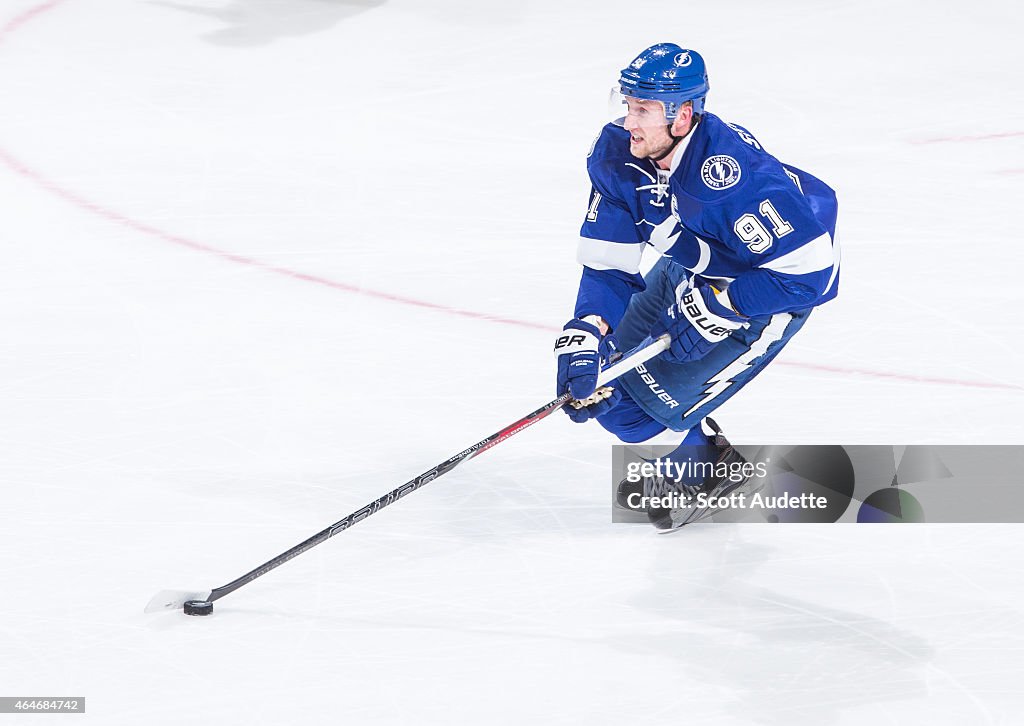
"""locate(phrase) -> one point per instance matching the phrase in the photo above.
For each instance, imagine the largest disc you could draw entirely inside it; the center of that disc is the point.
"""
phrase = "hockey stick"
(176, 599)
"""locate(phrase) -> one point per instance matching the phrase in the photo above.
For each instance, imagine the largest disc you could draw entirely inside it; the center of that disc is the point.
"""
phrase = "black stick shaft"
(645, 351)
(393, 496)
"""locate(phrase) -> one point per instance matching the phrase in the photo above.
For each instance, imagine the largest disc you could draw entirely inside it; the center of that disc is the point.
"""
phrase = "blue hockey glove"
(580, 351)
(697, 322)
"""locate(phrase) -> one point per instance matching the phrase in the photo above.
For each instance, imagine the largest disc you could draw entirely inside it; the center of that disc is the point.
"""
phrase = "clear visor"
(641, 112)
(617, 107)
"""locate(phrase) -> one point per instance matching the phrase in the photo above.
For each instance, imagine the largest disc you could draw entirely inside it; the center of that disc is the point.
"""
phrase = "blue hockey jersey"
(727, 210)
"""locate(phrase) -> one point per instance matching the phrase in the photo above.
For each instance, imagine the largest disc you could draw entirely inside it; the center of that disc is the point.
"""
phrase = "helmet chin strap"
(675, 140)
(675, 143)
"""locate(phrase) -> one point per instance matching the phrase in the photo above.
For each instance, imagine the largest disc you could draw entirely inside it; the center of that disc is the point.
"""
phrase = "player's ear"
(684, 117)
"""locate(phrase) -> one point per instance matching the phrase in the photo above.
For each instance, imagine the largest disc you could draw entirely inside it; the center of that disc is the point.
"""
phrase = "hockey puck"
(198, 607)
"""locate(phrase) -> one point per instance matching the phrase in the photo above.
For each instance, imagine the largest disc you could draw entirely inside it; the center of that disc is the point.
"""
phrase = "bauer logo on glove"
(711, 326)
(582, 351)
(565, 341)
(700, 318)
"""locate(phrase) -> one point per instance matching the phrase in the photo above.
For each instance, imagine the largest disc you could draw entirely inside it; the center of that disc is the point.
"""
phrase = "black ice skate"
(691, 510)
(633, 495)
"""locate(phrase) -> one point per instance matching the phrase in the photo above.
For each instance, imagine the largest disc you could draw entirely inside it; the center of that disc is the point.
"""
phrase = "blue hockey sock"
(686, 464)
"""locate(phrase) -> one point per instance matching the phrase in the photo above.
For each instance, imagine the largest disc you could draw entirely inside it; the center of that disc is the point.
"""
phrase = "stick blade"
(174, 600)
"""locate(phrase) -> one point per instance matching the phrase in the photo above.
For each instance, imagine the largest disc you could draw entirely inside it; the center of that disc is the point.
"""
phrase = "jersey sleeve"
(611, 244)
(790, 252)
(606, 293)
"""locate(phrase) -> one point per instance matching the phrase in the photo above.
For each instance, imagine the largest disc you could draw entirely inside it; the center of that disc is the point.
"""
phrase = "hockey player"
(748, 249)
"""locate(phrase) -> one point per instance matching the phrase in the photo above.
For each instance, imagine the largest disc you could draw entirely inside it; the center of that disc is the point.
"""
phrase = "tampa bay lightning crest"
(720, 171)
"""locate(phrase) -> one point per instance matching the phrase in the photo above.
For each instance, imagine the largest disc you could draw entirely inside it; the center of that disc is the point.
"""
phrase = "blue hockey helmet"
(668, 73)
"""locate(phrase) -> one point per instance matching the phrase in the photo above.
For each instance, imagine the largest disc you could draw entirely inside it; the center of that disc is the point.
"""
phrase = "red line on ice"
(113, 216)
(26, 16)
(899, 376)
(978, 137)
(143, 228)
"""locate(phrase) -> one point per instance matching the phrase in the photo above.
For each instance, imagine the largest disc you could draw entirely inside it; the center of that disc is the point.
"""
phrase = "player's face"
(648, 128)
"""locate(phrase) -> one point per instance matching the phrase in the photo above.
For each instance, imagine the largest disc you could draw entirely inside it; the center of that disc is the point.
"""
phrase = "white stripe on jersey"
(705, 257)
(598, 254)
(835, 267)
(815, 256)
(662, 238)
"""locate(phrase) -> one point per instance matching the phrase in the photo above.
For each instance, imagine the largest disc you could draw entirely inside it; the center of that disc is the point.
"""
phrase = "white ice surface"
(179, 404)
